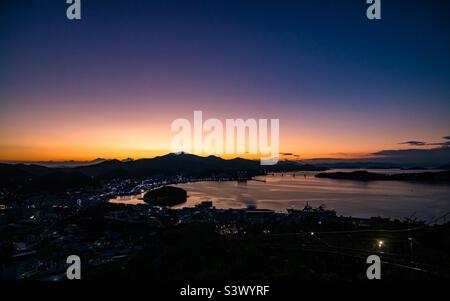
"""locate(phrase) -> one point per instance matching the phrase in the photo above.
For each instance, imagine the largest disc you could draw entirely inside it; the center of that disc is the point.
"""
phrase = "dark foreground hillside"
(198, 253)
(145, 243)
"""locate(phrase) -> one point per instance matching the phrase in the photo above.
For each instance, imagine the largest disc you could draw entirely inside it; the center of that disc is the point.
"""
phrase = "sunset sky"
(110, 84)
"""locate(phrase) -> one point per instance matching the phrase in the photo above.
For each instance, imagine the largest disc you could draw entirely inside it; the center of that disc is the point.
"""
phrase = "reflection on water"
(353, 198)
(129, 199)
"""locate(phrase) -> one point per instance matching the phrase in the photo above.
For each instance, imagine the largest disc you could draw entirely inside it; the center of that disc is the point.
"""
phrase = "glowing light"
(380, 243)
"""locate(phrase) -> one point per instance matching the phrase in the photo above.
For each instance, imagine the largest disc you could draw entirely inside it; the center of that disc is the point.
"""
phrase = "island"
(166, 196)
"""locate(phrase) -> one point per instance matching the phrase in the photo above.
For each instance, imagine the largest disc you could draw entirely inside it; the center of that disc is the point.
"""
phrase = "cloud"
(423, 143)
(446, 143)
(443, 144)
(414, 143)
(437, 155)
(289, 154)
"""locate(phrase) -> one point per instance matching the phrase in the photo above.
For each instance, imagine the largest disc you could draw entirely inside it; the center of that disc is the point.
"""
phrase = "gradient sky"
(111, 84)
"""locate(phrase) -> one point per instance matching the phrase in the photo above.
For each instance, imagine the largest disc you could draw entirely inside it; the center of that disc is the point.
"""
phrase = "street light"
(411, 246)
(380, 243)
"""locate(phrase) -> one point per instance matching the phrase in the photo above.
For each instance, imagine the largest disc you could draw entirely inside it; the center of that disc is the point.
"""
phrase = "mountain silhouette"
(37, 177)
(186, 164)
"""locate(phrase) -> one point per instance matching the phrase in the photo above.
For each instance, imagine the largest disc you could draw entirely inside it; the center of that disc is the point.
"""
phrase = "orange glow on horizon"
(85, 134)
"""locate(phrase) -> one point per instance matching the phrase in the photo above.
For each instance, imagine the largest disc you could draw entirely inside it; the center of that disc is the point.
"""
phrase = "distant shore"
(363, 175)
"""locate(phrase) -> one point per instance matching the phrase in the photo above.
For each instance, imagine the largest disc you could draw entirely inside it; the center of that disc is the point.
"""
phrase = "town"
(114, 239)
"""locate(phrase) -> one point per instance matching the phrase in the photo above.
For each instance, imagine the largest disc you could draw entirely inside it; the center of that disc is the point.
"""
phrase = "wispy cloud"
(414, 143)
(423, 143)
(289, 154)
(446, 143)
(437, 155)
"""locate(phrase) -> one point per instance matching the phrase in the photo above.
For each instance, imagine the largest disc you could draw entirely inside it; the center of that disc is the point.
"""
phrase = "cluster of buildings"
(36, 241)
(39, 233)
